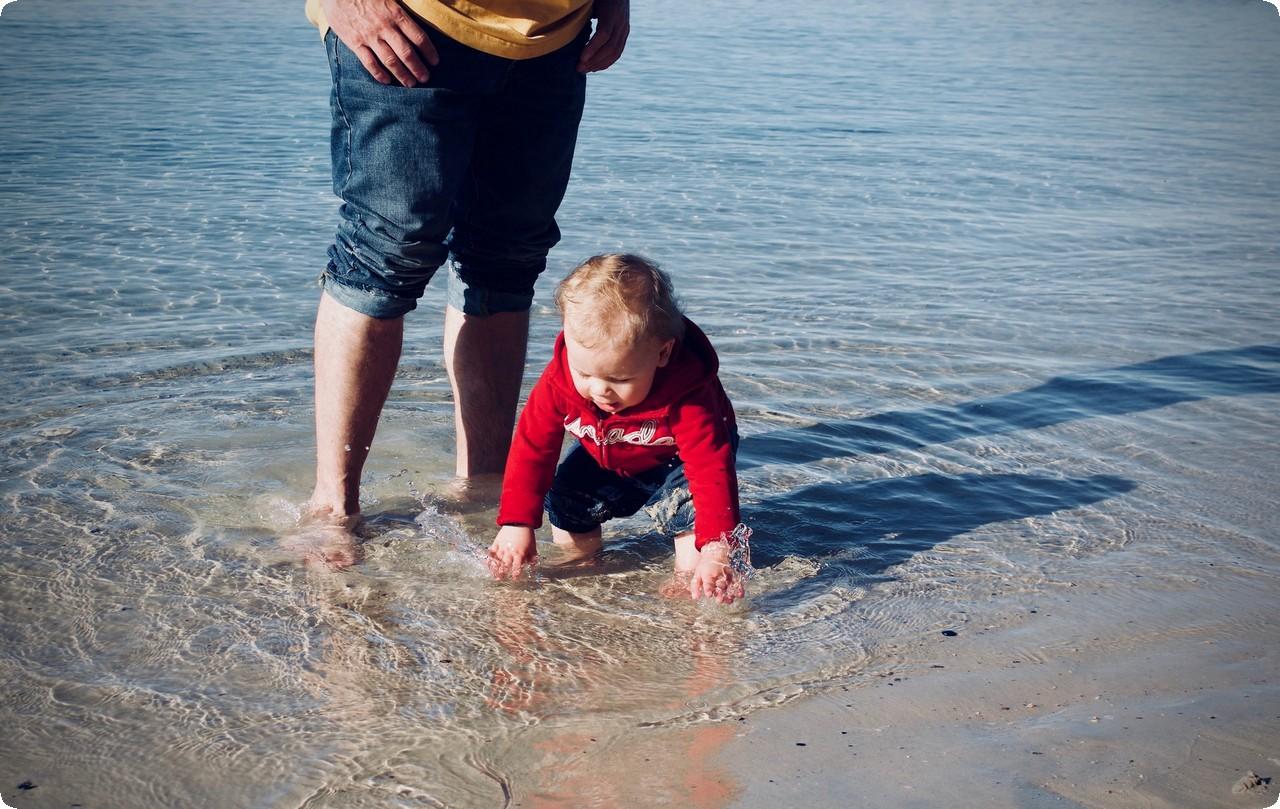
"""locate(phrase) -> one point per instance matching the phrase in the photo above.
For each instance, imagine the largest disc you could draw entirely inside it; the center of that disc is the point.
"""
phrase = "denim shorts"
(470, 167)
(583, 495)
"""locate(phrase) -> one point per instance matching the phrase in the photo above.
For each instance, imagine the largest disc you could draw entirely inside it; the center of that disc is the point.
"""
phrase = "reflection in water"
(546, 686)
(550, 733)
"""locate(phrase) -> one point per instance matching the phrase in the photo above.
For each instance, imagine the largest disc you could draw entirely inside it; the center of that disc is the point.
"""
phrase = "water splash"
(740, 553)
(472, 556)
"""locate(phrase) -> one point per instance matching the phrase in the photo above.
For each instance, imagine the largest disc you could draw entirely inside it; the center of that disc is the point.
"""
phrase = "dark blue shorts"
(583, 495)
(470, 167)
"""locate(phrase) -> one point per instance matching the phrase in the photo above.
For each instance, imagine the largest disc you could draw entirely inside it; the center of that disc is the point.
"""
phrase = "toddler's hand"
(713, 578)
(512, 549)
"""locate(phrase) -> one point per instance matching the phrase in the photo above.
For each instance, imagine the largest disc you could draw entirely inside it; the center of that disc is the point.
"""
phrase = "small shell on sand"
(1249, 782)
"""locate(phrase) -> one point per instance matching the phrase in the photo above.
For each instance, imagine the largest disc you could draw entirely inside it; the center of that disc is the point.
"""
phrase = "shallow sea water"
(994, 288)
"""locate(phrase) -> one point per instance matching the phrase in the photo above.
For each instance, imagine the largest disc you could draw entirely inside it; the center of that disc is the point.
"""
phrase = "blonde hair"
(620, 298)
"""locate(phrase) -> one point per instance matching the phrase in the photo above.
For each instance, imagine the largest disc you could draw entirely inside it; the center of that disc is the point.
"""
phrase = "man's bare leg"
(355, 361)
(485, 360)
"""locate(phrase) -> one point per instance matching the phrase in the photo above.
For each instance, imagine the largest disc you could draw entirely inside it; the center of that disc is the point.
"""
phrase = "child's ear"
(664, 353)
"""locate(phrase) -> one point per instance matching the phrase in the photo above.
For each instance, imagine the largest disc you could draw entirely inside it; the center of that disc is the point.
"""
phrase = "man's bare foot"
(324, 540)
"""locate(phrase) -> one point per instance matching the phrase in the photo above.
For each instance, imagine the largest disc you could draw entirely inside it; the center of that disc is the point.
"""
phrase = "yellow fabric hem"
(459, 27)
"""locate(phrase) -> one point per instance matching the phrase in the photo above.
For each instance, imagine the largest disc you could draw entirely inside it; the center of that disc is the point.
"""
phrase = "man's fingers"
(370, 61)
(421, 42)
(593, 46)
(402, 24)
(612, 50)
(408, 54)
(391, 61)
(603, 59)
(604, 48)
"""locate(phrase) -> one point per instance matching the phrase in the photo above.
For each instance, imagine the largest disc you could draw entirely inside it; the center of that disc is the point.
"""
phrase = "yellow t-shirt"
(514, 29)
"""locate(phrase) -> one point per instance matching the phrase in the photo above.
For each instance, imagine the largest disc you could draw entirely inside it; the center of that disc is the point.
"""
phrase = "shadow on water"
(1115, 391)
(860, 529)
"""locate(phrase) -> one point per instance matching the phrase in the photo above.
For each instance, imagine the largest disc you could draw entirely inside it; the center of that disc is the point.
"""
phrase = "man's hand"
(387, 40)
(613, 25)
(713, 578)
(512, 549)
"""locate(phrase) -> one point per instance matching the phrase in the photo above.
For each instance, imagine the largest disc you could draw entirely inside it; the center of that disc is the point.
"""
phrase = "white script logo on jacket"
(617, 435)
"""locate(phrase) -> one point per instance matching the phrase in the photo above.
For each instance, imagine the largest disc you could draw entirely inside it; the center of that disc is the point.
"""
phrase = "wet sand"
(1137, 697)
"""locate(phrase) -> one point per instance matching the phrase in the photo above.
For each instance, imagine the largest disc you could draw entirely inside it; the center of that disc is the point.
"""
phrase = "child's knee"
(574, 510)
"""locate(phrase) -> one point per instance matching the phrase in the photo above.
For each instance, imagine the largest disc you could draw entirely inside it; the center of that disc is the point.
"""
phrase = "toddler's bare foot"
(677, 586)
(573, 559)
(577, 551)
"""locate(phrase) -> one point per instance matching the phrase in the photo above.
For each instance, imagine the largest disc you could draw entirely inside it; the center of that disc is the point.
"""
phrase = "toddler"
(635, 382)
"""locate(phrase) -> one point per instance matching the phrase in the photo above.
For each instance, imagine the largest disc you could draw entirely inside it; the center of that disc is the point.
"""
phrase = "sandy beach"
(1134, 698)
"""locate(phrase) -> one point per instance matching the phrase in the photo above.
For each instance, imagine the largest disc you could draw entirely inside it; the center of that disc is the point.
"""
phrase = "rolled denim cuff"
(366, 300)
(482, 302)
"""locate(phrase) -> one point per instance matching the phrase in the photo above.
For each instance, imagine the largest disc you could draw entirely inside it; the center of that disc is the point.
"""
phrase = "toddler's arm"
(512, 549)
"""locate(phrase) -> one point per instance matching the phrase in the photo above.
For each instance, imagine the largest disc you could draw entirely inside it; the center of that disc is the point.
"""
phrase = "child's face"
(614, 376)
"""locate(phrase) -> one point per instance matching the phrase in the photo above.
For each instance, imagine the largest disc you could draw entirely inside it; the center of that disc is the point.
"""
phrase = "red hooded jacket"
(686, 413)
